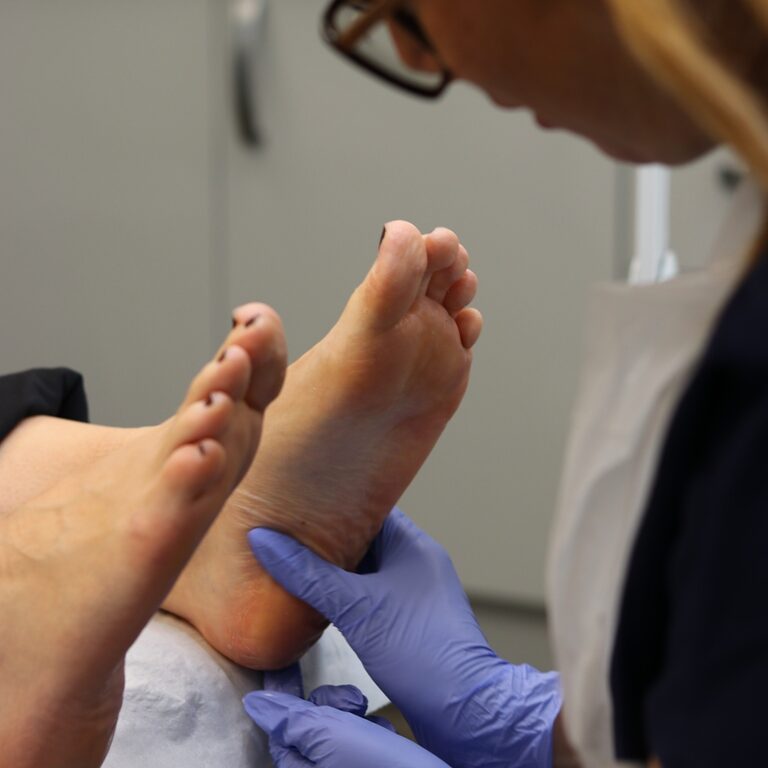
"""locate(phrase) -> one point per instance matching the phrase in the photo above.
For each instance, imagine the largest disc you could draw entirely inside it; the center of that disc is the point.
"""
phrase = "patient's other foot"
(85, 565)
(357, 418)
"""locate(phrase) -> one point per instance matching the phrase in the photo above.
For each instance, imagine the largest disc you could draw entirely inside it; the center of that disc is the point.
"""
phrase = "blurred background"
(164, 160)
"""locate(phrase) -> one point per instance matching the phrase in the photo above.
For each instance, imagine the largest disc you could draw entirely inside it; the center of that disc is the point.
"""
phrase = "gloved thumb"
(324, 586)
(279, 716)
(274, 713)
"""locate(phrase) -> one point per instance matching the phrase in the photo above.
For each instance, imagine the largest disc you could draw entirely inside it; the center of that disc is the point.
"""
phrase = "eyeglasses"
(359, 30)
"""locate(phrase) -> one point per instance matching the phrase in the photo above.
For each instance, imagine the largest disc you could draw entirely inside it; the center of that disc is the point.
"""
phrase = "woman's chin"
(624, 154)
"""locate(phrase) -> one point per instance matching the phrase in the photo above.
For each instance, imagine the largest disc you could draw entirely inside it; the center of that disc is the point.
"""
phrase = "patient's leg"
(357, 418)
(84, 565)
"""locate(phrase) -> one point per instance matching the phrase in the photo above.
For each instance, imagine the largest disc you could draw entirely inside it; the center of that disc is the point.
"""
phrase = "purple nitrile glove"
(411, 624)
(305, 735)
(347, 698)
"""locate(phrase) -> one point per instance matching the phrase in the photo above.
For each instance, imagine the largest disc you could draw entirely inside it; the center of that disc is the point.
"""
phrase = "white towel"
(182, 705)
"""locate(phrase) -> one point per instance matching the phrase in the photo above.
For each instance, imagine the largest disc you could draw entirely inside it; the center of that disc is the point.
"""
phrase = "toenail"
(252, 320)
(222, 356)
(383, 235)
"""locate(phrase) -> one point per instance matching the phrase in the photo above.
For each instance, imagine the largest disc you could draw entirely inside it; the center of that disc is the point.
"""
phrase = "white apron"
(642, 345)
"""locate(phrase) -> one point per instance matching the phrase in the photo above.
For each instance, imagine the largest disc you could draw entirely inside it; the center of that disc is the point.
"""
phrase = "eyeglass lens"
(378, 48)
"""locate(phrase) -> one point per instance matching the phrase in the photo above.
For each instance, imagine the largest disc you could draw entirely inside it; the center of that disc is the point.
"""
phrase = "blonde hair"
(722, 83)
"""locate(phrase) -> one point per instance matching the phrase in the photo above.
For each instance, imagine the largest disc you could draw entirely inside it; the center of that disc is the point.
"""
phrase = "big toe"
(395, 280)
(259, 330)
(250, 364)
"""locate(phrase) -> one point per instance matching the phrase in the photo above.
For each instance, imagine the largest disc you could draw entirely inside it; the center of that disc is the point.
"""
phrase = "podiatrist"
(658, 571)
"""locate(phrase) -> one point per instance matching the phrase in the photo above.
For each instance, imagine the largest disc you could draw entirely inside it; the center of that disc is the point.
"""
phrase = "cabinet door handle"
(730, 177)
(248, 21)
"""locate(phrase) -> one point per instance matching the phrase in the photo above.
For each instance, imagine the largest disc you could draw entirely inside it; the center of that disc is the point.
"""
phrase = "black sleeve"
(689, 673)
(41, 392)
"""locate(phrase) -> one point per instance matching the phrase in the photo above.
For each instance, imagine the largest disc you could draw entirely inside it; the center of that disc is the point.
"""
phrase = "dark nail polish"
(209, 400)
(252, 321)
(383, 235)
(201, 448)
(222, 356)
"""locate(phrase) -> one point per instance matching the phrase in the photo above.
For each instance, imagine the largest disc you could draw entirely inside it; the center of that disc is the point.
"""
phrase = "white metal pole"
(652, 260)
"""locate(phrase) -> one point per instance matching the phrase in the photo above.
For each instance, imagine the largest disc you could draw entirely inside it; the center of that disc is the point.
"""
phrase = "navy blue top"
(41, 392)
(689, 674)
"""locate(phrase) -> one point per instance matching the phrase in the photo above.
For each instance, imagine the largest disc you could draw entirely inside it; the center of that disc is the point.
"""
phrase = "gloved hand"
(305, 735)
(410, 623)
(347, 698)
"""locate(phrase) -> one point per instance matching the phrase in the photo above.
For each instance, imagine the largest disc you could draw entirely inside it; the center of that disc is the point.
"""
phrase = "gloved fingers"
(327, 588)
(286, 680)
(289, 722)
(381, 721)
(327, 738)
(404, 546)
(391, 529)
(284, 757)
(346, 698)
(270, 711)
(400, 538)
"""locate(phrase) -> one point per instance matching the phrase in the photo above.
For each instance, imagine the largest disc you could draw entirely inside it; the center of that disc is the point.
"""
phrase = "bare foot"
(357, 418)
(85, 565)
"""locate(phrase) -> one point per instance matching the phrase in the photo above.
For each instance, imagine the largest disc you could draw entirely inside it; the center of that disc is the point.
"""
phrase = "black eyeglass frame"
(330, 34)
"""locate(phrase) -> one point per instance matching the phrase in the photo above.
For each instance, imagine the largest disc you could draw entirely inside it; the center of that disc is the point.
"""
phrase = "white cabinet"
(105, 200)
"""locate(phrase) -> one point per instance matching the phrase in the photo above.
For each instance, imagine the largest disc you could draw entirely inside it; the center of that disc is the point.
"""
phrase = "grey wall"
(132, 218)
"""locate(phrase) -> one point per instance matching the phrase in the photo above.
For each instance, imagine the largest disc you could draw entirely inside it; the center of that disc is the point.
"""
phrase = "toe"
(395, 280)
(255, 326)
(259, 331)
(251, 363)
(442, 250)
(229, 373)
(184, 502)
(269, 365)
(194, 468)
(248, 314)
(470, 325)
(205, 418)
(442, 280)
(461, 293)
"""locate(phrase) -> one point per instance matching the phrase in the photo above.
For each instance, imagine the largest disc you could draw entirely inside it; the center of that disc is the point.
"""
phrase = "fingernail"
(260, 709)
(252, 320)
(383, 235)
(222, 356)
